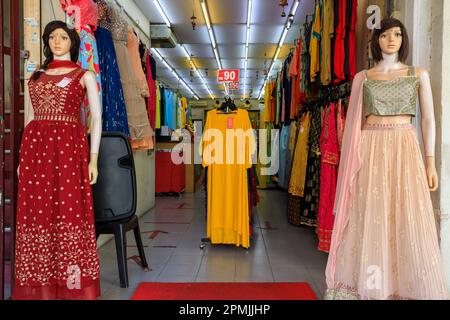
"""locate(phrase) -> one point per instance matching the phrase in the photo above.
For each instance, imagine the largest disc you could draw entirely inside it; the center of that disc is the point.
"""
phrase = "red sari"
(328, 178)
(56, 246)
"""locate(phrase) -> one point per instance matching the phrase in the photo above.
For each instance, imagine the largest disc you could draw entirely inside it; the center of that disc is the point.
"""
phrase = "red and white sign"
(228, 76)
(234, 86)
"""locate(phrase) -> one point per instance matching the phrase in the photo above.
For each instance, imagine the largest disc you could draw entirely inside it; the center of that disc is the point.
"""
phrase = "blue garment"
(167, 108)
(284, 145)
(114, 109)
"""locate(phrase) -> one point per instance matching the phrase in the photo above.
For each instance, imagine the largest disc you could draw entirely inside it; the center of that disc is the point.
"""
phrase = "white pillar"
(441, 86)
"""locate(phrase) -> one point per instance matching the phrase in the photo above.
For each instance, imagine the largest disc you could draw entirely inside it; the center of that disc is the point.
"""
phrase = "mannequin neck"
(389, 63)
(65, 57)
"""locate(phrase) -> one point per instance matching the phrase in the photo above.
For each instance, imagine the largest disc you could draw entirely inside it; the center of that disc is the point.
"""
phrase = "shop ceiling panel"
(185, 34)
(230, 34)
(227, 12)
(200, 50)
(233, 63)
(171, 52)
(211, 64)
(266, 34)
(232, 51)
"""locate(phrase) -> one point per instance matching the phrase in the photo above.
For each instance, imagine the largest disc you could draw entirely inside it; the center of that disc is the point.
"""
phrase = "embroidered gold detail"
(59, 117)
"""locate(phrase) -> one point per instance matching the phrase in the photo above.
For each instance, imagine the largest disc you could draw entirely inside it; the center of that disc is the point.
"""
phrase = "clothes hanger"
(228, 107)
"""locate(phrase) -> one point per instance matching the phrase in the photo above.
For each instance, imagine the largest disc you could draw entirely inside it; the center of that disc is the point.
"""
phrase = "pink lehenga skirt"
(390, 247)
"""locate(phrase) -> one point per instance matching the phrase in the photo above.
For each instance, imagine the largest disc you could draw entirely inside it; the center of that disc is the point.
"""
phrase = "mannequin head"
(58, 40)
(391, 39)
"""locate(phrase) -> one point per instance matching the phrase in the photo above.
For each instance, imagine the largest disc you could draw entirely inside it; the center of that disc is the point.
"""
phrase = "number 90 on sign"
(228, 76)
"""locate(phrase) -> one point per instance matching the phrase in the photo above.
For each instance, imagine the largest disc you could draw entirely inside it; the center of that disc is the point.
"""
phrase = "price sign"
(234, 86)
(228, 76)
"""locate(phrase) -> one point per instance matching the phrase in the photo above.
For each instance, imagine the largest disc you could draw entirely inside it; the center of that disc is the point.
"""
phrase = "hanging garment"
(184, 107)
(287, 89)
(352, 40)
(298, 173)
(309, 205)
(228, 207)
(340, 122)
(151, 100)
(284, 146)
(328, 177)
(56, 247)
(315, 43)
(87, 11)
(133, 53)
(349, 16)
(114, 111)
(327, 34)
(279, 100)
(158, 106)
(273, 101)
(383, 205)
(138, 123)
(293, 73)
(290, 151)
(163, 105)
(88, 60)
(339, 46)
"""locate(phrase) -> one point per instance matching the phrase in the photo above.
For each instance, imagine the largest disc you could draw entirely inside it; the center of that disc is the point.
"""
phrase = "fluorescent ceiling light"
(217, 58)
(276, 54)
(249, 13)
(161, 11)
(213, 40)
(173, 71)
(205, 14)
(280, 44)
(185, 52)
(157, 54)
(295, 7)
(283, 37)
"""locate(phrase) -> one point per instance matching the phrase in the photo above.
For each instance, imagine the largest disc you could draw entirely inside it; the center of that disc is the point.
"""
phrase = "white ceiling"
(228, 19)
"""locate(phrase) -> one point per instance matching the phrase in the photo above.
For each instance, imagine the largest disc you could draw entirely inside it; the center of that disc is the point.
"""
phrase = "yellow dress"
(228, 218)
(298, 173)
(327, 33)
(184, 105)
(315, 44)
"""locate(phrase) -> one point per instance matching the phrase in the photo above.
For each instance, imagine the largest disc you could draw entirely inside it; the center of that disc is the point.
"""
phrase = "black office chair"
(115, 198)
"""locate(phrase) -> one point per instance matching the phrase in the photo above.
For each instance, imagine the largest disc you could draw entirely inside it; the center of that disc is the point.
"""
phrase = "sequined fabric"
(391, 97)
(104, 15)
(119, 26)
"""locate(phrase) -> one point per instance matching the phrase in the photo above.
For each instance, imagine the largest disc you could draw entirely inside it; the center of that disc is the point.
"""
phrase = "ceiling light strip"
(168, 66)
(287, 26)
(162, 13)
(247, 41)
(210, 32)
(195, 68)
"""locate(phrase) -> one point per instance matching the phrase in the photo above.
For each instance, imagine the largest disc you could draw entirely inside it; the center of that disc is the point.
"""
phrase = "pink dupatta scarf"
(350, 164)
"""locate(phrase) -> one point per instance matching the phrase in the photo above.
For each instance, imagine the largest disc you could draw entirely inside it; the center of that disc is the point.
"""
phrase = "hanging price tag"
(225, 76)
(230, 123)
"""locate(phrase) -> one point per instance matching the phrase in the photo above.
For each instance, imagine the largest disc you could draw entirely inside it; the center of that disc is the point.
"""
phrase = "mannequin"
(56, 247)
(384, 244)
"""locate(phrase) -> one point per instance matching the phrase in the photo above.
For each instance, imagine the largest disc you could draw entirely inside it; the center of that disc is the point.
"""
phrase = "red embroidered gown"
(56, 247)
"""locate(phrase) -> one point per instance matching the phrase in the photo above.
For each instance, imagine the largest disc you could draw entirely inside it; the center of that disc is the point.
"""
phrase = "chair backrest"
(115, 191)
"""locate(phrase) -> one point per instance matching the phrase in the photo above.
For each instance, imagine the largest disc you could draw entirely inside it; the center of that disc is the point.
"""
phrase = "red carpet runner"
(224, 291)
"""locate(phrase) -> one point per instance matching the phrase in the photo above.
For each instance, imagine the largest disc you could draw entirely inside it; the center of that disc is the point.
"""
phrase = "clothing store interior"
(169, 72)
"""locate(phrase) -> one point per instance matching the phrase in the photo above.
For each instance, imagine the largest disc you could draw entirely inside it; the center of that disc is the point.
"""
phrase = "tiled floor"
(279, 252)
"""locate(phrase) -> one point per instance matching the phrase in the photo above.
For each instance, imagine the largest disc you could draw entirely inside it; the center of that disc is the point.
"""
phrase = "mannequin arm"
(428, 126)
(90, 83)
(427, 112)
(29, 112)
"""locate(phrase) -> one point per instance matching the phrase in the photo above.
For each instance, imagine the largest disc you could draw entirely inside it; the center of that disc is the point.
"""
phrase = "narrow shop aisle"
(172, 232)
